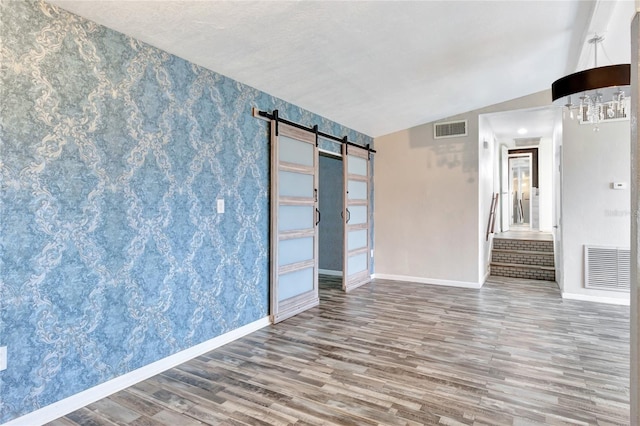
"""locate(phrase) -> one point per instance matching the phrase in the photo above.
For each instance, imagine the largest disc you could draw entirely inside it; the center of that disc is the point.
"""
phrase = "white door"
(504, 189)
(355, 270)
(294, 222)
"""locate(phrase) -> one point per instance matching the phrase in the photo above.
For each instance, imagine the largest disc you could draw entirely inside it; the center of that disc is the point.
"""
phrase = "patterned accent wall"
(112, 156)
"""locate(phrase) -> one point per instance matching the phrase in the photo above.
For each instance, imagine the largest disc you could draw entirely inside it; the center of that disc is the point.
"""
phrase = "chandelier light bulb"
(594, 109)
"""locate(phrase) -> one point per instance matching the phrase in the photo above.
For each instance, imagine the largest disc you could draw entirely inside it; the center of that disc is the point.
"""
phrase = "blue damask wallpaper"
(112, 156)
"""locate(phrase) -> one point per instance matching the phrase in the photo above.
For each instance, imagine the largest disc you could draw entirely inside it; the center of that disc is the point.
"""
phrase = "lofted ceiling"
(376, 66)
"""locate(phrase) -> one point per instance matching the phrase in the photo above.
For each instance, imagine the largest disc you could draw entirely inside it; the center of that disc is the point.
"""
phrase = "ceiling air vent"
(607, 268)
(527, 141)
(450, 129)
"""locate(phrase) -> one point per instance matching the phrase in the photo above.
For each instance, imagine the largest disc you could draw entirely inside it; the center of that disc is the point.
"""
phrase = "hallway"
(397, 353)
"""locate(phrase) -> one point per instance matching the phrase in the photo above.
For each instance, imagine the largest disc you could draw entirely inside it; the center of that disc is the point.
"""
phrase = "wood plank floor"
(391, 353)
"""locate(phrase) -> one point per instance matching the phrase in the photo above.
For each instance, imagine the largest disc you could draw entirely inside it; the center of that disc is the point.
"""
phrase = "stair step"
(522, 257)
(523, 245)
(524, 266)
(542, 253)
(515, 270)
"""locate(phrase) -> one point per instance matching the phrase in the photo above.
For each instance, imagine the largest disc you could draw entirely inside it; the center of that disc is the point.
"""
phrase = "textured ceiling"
(376, 67)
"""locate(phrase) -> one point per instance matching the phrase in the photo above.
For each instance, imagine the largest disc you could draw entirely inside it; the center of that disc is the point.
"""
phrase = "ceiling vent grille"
(450, 129)
(607, 268)
(527, 141)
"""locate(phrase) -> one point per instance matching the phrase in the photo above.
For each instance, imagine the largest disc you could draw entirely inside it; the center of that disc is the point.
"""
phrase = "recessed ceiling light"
(522, 131)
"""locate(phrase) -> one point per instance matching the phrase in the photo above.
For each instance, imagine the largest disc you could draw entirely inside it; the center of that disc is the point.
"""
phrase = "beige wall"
(427, 205)
(426, 208)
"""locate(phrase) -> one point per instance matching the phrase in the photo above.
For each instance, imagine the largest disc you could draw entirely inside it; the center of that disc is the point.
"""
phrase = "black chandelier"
(603, 92)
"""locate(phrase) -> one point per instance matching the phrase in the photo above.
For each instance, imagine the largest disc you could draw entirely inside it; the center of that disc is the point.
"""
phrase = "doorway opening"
(330, 228)
(520, 192)
(520, 132)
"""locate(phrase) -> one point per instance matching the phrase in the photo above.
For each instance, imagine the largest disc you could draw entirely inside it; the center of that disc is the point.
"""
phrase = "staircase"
(523, 258)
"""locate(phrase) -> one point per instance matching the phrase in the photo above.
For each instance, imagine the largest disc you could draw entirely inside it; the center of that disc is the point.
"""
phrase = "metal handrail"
(492, 214)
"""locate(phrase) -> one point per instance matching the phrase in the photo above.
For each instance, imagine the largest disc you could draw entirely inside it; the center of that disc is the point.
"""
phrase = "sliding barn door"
(356, 257)
(294, 221)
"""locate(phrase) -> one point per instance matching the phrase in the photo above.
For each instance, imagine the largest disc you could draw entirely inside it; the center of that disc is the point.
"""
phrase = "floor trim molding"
(433, 281)
(81, 399)
(597, 299)
(330, 272)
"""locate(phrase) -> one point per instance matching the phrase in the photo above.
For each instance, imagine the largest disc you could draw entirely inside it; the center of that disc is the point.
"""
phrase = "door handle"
(348, 215)
(318, 211)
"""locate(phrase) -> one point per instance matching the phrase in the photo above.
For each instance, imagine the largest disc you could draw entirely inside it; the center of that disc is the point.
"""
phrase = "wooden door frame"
(362, 277)
(304, 301)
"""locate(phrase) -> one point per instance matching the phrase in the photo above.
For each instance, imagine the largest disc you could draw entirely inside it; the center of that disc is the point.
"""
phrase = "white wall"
(487, 188)
(593, 213)
(545, 183)
(557, 197)
(428, 201)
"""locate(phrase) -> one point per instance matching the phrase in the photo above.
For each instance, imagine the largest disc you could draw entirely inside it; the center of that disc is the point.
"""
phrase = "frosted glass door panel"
(357, 190)
(296, 184)
(357, 239)
(356, 231)
(357, 215)
(295, 217)
(357, 263)
(295, 250)
(295, 283)
(358, 166)
(295, 151)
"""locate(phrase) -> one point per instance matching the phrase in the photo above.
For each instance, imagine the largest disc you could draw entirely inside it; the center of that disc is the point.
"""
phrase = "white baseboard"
(486, 277)
(86, 397)
(330, 272)
(597, 299)
(421, 280)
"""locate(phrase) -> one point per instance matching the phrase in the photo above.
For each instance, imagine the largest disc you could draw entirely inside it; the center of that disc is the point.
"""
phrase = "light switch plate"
(3, 358)
(220, 205)
(618, 185)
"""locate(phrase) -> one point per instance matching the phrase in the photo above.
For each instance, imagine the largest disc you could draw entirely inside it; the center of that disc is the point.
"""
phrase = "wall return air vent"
(607, 268)
(450, 129)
